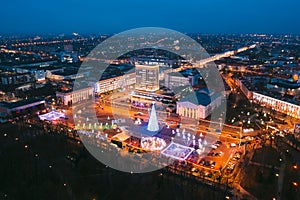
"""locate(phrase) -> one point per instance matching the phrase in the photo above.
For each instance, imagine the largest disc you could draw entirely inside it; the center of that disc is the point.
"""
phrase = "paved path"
(243, 194)
(240, 192)
(262, 165)
(282, 171)
(281, 178)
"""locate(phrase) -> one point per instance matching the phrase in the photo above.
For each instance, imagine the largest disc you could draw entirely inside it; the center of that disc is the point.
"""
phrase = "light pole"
(220, 123)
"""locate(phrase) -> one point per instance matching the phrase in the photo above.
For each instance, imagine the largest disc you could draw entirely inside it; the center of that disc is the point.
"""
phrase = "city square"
(150, 100)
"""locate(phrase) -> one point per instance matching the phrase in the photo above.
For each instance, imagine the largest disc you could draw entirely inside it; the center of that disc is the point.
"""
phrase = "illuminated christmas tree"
(153, 122)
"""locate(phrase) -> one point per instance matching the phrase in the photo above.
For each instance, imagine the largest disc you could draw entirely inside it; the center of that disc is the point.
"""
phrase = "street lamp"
(295, 166)
(295, 184)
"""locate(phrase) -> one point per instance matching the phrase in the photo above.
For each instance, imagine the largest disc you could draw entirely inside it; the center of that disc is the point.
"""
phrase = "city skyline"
(238, 138)
(113, 17)
(150, 100)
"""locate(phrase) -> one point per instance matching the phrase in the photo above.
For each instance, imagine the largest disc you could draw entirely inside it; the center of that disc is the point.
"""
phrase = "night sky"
(113, 16)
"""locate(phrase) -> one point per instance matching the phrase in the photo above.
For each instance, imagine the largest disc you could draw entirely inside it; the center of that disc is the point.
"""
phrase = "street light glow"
(295, 166)
(295, 184)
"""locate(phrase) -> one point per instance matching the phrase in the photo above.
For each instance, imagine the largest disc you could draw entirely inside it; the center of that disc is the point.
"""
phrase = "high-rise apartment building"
(147, 77)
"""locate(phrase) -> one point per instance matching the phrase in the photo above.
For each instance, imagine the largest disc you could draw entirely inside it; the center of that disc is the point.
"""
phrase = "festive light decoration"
(53, 115)
(153, 143)
(153, 122)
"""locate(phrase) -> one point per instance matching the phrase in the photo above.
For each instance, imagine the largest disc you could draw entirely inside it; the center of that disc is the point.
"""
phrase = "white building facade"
(290, 109)
(285, 107)
(118, 82)
(199, 107)
(73, 97)
(175, 79)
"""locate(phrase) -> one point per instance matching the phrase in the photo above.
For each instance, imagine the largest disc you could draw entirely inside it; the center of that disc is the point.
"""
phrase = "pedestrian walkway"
(281, 173)
(262, 165)
(243, 194)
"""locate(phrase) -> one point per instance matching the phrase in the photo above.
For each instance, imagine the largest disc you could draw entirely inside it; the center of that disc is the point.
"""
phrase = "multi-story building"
(114, 83)
(285, 107)
(22, 106)
(199, 105)
(267, 99)
(38, 73)
(297, 132)
(147, 77)
(246, 87)
(37, 70)
(68, 97)
(176, 79)
(66, 75)
(13, 78)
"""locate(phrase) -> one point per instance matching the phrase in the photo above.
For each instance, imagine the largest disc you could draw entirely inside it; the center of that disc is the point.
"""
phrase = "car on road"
(218, 143)
(237, 156)
(219, 154)
(232, 145)
(211, 154)
(249, 138)
(195, 170)
(139, 114)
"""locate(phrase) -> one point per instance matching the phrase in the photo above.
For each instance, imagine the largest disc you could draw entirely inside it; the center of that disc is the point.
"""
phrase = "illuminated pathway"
(202, 62)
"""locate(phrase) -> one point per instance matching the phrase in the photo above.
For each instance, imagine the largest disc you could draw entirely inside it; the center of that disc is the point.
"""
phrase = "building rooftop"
(150, 66)
(65, 72)
(248, 85)
(201, 97)
(9, 74)
(69, 90)
(15, 104)
(285, 83)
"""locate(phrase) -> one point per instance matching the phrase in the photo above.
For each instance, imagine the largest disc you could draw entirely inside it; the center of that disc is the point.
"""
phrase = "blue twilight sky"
(112, 16)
